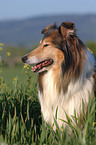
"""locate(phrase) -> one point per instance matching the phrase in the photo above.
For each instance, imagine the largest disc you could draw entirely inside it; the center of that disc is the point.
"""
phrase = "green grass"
(9, 73)
(20, 120)
(1, 140)
(16, 72)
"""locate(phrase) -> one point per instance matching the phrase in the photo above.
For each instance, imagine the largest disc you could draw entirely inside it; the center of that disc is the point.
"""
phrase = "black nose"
(24, 58)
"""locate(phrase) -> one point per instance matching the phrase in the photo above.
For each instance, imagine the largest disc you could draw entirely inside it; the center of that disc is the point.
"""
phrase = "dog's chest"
(49, 97)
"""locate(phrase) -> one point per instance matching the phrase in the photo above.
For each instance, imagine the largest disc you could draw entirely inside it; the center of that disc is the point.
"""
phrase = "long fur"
(50, 98)
(69, 79)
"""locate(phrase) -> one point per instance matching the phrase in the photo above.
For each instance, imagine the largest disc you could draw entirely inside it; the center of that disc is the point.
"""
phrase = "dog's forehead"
(51, 36)
(54, 38)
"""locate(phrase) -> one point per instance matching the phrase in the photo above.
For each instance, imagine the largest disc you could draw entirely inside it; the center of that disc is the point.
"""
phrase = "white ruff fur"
(72, 99)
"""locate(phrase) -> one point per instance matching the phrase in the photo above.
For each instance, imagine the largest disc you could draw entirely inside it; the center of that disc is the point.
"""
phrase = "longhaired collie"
(66, 72)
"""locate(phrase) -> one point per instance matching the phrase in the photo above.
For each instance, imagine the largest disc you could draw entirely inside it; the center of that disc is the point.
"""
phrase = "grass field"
(9, 74)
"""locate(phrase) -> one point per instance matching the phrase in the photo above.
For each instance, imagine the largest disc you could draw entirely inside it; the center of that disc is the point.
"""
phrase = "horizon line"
(45, 15)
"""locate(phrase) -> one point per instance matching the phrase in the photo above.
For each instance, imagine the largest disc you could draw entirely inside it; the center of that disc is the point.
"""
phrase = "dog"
(66, 72)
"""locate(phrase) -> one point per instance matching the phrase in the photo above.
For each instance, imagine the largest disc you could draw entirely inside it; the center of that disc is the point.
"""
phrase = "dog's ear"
(66, 29)
(48, 28)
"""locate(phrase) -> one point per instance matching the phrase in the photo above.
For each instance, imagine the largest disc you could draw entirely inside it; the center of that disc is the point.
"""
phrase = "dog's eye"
(46, 45)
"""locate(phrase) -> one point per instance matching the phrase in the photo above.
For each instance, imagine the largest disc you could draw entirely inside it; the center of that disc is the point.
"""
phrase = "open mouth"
(41, 65)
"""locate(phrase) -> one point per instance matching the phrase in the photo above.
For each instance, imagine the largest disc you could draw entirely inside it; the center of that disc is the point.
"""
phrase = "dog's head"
(60, 46)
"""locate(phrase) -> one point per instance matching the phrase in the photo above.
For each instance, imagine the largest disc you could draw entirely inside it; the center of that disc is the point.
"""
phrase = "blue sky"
(18, 9)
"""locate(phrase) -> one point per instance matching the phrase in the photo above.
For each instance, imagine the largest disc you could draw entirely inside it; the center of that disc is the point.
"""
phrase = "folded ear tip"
(68, 25)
